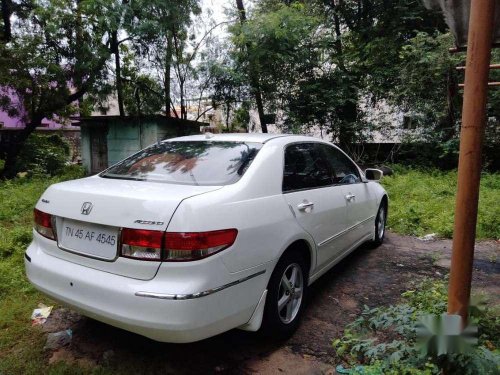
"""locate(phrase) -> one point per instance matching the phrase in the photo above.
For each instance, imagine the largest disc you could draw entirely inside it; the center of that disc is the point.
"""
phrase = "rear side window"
(189, 163)
(305, 168)
(343, 170)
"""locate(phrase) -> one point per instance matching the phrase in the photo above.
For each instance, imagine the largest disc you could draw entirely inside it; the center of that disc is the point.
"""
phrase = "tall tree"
(163, 28)
(47, 54)
(253, 71)
(323, 63)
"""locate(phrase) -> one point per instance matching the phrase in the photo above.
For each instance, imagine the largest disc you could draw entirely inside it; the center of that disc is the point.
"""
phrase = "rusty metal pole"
(480, 39)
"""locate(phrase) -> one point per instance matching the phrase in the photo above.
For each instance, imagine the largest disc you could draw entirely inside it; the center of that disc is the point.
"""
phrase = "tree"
(324, 63)
(163, 28)
(52, 59)
(141, 93)
(253, 70)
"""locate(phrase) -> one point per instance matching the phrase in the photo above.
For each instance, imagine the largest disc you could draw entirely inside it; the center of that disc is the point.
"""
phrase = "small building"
(105, 140)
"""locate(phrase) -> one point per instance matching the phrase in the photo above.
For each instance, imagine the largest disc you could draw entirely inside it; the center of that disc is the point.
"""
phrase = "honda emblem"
(86, 208)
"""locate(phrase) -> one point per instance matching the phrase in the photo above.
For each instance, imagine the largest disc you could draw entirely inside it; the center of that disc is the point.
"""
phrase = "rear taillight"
(182, 246)
(174, 246)
(43, 224)
(142, 244)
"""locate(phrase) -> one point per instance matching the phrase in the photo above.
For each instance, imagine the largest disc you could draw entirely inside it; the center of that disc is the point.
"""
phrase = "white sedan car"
(197, 235)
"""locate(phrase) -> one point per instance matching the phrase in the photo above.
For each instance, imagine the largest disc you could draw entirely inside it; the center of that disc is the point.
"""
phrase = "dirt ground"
(372, 277)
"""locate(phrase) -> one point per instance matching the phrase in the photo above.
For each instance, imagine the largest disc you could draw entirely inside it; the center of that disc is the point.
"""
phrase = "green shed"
(105, 140)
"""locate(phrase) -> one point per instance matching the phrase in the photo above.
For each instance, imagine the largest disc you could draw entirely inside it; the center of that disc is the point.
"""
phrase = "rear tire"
(380, 222)
(286, 296)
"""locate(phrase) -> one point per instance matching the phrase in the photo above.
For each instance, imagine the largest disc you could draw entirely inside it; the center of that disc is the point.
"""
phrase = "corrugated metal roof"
(456, 14)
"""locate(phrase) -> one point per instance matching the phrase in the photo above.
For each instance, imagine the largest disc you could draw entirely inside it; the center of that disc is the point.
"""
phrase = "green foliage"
(279, 42)
(326, 63)
(141, 93)
(21, 345)
(12, 242)
(241, 116)
(46, 34)
(228, 85)
(430, 296)
(423, 202)
(384, 338)
(18, 198)
(59, 49)
(43, 155)
(396, 368)
(161, 43)
(52, 59)
(426, 62)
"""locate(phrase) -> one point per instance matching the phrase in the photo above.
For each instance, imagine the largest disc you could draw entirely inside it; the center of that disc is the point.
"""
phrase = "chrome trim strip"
(199, 294)
(345, 231)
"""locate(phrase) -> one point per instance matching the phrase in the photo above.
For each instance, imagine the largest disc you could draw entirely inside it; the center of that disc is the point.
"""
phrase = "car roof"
(244, 137)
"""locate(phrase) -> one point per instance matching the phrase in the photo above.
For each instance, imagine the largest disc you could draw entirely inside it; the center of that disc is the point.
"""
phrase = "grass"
(423, 202)
(21, 345)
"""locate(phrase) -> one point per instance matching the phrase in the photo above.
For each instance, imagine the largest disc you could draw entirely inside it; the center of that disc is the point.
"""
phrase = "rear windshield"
(188, 163)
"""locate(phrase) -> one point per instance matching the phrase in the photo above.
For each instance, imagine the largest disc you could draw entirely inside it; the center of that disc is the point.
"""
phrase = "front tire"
(380, 223)
(286, 296)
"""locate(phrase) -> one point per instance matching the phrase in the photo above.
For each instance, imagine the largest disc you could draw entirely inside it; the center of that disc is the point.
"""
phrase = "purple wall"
(7, 121)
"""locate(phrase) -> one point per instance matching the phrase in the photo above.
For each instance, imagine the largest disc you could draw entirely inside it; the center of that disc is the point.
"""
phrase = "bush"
(384, 338)
(422, 201)
(71, 172)
(43, 155)
(17, 239)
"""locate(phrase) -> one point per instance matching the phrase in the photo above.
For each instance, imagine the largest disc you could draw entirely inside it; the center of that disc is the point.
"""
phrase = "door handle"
(349, 197)
(305, 205)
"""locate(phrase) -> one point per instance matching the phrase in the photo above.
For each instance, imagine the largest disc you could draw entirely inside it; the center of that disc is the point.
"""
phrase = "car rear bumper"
(149, 307)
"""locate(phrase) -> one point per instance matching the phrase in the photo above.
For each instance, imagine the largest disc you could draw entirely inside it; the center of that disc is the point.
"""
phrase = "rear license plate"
(100, 241)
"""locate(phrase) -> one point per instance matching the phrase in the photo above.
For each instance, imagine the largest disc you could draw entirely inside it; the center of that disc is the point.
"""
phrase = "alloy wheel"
(381, 222)
(291, 290)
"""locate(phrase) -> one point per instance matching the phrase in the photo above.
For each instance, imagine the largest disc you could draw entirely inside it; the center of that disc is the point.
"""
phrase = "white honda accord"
(197, 235)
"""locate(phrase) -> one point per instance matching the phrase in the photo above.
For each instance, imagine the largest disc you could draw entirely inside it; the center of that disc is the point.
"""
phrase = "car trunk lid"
(89, 214)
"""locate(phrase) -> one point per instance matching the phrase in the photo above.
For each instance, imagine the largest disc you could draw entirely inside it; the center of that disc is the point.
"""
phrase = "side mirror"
(373, 174)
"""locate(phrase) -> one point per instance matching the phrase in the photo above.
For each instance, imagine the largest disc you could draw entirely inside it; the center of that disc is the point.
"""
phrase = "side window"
(305, 168)
(343, 170)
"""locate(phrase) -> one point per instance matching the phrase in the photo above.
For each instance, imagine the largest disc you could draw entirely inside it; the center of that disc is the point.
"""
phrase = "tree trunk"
(228, 108)
(241, 11)
(168, 65)
(254, 75)
(451, 93)
(7, 26)
(15, 146)
(338, 36)
(183, 104)
(137, 96)
(119, 89)
(260, 108)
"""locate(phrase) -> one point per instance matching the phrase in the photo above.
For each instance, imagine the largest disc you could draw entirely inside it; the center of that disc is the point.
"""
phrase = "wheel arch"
(385, 201)
(304, 246)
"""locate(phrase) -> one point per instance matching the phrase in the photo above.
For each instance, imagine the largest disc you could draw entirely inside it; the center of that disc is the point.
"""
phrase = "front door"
(318, 205)
(360, 203)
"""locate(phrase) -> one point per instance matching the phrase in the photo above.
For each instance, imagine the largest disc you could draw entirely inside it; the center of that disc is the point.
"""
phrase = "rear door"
(360, 203)
(318, 205)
